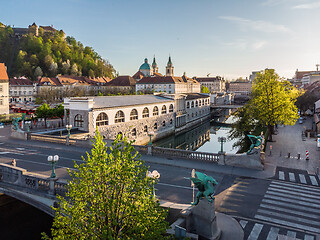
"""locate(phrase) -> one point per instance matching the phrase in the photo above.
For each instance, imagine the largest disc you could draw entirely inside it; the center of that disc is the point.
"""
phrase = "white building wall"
(4, 97)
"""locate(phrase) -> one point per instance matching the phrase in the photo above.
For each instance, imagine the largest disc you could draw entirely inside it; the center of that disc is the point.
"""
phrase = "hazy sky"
(230, 38)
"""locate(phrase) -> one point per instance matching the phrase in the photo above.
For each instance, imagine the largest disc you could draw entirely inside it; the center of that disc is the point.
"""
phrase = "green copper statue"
(255, 143)
(15, 123)
(205, 185)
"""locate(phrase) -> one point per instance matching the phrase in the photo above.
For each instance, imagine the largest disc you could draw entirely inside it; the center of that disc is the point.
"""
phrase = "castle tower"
(154, 65)
(169, 68)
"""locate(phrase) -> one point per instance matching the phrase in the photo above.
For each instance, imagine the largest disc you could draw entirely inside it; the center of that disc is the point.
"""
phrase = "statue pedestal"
(205, 220)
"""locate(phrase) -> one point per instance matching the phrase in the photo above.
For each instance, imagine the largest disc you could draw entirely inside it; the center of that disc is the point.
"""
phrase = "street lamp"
(155, 175)
(69, 127)
(28, 124)
(150, 134)
(222, 140)
(53, 161)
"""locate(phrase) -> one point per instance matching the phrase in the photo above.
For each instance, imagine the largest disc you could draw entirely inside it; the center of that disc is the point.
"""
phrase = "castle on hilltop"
(34, 29)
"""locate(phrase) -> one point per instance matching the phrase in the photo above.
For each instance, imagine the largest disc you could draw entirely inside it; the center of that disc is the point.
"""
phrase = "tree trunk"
(270, 129)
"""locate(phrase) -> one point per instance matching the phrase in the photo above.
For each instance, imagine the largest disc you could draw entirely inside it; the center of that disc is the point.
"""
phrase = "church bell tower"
(169, 68)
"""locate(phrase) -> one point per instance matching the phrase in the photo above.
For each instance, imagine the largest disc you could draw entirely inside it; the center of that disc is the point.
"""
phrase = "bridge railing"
(179, 153)
(39, 183)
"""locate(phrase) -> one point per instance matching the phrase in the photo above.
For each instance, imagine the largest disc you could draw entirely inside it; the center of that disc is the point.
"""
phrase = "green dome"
(145, 66)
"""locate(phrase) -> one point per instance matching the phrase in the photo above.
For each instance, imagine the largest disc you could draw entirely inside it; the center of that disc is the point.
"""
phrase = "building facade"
(137, 116)
(4, 90)
(240, 88)
(22, 90)
(214, 84)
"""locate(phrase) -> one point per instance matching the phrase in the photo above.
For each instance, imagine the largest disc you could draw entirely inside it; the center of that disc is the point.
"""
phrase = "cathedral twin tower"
(152, 70)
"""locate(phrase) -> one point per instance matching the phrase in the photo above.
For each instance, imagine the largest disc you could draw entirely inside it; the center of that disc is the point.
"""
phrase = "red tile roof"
(138, 75)
(3, 72)
(122, 81)
(208, 79)
(45, 80)
(300, 74)
(20, 81)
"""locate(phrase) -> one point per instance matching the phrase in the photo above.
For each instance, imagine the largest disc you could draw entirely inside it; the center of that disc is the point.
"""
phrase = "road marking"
(273, 233)
(299, 196)
(291, 205)
(177, 186)
(303, 214)
(40, 163)
(303, 194)
(297, 188)
(294, 186)
(285, 199)
(292, 177)
(255, 232)
(281, 175)
(290, 217)
(314, 180)
(287, 223)
(302, 179)
(291, 234)
(243, 223)
(20, 148)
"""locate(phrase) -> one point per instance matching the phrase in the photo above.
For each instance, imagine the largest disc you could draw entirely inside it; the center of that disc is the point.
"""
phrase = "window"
(145, 112)
(200, 103)
(164, 123)
(164, 109)
(171, 121)
(188, 105)
(1, 88)
(78, 120)
(119, 117)
(192, 104)
(155, 127)
(170, 86)
(102, 120)
(196, 103)
(134, 114)
(145, 129)
(134, 132)
(171, 108)
(155, 111)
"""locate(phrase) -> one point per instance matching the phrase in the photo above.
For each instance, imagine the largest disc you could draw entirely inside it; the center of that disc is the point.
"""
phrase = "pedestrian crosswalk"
(291, 205)
(297, 176)
(254, 230)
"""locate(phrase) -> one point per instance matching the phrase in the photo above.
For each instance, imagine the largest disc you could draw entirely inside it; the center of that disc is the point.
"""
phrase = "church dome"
(145, 66)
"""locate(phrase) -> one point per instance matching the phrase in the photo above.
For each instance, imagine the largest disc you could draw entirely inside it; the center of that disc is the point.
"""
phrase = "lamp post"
(69, 127)
(155, 175)
(53, 161)
(222, 140)
(28, 124)
(150, 134)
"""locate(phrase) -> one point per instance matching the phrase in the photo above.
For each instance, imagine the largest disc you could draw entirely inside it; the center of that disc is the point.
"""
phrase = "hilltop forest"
(49, 54)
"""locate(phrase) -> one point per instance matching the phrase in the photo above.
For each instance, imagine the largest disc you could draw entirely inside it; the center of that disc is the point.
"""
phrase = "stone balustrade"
(16, 176)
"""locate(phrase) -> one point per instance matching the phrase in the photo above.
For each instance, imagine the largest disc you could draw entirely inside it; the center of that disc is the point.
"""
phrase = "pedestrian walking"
(13, 163)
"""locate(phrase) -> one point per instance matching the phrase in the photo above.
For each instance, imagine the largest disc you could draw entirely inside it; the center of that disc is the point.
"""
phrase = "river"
(203, 138)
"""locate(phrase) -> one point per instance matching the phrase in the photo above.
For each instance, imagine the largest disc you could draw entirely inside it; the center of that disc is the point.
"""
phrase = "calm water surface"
(203, 138)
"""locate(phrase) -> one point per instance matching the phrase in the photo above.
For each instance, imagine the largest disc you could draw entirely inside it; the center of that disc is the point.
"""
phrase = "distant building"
(214, 84)
(253, 76)
(4, 90)
(22, 90)
(240, 88)
(122, 84)
(138, 116)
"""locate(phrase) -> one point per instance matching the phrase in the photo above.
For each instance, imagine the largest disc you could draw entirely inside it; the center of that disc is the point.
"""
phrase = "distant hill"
(44, 51)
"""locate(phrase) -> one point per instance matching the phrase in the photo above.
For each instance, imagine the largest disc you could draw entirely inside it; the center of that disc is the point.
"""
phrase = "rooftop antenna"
(317, 65)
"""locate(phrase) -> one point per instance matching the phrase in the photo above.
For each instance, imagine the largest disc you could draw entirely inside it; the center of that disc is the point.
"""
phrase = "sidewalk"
(289, 140)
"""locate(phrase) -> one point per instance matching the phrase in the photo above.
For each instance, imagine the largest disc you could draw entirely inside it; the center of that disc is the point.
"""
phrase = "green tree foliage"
(109, 197)
(50, 52)
(273, 100)
(44, 111)
(58, 111)
(205, 89)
